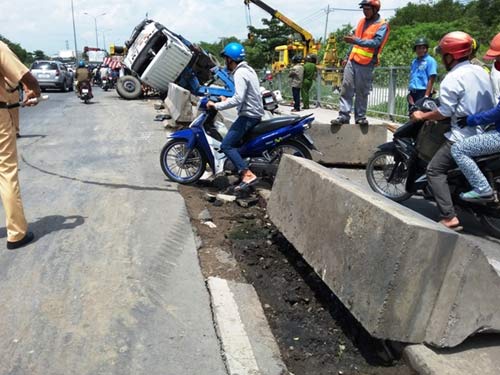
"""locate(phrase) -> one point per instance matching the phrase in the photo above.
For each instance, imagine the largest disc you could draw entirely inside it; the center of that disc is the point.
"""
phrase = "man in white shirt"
(465, 90)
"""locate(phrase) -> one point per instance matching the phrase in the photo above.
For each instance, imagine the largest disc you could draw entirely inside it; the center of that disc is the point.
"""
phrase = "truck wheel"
(129, 87)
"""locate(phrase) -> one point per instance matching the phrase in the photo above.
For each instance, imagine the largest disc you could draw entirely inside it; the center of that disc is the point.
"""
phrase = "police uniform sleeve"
(10, 66)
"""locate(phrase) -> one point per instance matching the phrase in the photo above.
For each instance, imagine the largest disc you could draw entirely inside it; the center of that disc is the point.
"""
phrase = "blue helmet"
(235, 51)
(81, 64)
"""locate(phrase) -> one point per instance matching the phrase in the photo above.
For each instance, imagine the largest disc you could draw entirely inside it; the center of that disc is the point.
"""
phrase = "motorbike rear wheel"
(383, 167)
(492, 224)
(175, 168)
(289, 147)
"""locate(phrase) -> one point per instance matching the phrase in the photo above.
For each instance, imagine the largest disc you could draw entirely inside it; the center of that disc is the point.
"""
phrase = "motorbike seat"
(267, 126)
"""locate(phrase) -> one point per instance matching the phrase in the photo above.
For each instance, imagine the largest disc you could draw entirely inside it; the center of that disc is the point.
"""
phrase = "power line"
(319, 11)
(357, 9)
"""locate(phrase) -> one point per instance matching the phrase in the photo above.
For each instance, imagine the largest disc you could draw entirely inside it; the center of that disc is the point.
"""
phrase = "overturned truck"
(157, 56)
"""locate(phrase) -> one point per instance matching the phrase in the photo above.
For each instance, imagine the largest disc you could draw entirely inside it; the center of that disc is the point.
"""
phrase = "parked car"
(52, 75)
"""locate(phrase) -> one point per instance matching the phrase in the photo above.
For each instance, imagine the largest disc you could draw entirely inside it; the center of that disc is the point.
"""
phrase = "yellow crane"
(285, 52)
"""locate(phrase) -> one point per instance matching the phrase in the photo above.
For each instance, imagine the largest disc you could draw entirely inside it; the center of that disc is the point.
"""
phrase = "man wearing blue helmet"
(248, 100)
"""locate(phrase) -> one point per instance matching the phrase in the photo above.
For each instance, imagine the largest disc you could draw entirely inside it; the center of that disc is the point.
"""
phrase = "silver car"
(52, 75)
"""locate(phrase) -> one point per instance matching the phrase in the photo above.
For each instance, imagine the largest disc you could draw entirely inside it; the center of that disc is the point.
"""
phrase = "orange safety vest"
(364, 55)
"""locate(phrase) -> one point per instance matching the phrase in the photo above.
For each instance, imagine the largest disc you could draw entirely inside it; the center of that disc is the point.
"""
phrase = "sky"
(47, 24)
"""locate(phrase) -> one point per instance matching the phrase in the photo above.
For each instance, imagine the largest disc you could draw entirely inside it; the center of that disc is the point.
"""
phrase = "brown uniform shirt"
(82, 74)
(10, 68)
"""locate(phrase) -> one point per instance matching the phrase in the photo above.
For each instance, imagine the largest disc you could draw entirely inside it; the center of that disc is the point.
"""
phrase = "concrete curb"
(479, 355)
(247, 341)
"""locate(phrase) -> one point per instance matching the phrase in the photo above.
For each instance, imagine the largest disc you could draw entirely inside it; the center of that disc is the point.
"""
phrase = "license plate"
(85, 91)
(268, 100)
(308, 137)
(44, 76)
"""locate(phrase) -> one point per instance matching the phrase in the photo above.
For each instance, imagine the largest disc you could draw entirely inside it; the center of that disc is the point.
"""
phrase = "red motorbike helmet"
(375, 4)
(494, 50)
(457, 44)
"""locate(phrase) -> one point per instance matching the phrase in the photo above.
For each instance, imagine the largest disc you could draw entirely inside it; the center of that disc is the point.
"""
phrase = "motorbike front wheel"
(387, 176)
(181, 165)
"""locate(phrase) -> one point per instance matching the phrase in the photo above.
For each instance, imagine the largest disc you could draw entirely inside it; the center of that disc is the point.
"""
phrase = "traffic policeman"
(14, 71)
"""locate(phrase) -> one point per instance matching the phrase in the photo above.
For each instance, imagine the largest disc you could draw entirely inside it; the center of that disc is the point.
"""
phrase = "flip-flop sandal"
(245, 185)
(456, 228)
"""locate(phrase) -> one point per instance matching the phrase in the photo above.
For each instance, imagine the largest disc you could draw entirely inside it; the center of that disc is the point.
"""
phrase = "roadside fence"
(387, 98)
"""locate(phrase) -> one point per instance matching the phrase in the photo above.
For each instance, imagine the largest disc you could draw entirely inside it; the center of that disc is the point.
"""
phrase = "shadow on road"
(471, 224)
(48, 224)
(99, 183)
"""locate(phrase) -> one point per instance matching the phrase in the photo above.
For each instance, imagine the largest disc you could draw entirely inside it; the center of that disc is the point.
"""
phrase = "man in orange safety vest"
(367, 43)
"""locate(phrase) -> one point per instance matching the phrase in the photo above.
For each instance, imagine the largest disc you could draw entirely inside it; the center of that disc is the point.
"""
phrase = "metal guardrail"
(387, 97)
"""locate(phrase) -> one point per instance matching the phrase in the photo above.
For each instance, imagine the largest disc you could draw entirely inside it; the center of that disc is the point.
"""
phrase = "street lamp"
(95, 23)
(74, 30)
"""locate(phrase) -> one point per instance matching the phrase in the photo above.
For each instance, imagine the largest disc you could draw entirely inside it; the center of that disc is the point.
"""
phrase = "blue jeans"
(233, 138)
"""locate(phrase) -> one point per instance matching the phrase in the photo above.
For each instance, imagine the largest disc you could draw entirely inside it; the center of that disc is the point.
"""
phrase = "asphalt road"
(112, 283)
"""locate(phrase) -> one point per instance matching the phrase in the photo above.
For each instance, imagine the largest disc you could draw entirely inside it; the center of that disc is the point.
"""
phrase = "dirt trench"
(315, 332)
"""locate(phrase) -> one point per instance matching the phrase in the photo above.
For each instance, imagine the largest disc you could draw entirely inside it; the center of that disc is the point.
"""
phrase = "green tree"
(262, 42)
(39, 55)
(20, 52)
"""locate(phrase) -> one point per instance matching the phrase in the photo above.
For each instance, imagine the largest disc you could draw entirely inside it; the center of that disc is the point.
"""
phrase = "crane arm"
(306, 35)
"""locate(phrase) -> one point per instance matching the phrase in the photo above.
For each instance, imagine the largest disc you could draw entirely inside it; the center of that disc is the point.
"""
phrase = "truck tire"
(129, 87)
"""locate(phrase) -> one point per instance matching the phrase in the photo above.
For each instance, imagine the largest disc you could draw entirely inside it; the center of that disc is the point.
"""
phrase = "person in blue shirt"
(423, 72)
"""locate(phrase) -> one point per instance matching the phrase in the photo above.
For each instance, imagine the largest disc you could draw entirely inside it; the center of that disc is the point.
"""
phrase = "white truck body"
(157, 56)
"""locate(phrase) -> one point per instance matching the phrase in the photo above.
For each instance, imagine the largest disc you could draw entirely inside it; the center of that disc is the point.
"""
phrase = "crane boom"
(305, 35)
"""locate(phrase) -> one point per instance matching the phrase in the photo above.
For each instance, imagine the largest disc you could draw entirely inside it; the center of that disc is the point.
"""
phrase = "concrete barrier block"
(347, 144)
(178, 103)
(400, 274)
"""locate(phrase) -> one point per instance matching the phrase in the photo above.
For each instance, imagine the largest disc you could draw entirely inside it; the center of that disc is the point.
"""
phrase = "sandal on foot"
(245, 185)
(474, 196)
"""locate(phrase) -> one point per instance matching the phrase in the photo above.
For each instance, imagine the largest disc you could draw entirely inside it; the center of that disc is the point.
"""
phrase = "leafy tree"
(262, 42)
(216, 47)
(39, 55)
(20, 52)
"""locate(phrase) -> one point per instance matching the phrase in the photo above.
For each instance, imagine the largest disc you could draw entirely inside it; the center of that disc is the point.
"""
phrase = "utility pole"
(328, 10)
(95, 24)
(74, 30)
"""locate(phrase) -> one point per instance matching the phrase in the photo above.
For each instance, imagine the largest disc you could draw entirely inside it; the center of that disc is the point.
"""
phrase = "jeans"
(296, 98)
(233, 138)
(477, 145)
(437, 174)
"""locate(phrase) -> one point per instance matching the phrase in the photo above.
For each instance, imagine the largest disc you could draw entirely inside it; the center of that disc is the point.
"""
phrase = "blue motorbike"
(185, 156)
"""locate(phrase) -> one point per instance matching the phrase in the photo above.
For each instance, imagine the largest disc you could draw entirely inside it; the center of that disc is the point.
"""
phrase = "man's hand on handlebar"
(210, 104)
(417, 116)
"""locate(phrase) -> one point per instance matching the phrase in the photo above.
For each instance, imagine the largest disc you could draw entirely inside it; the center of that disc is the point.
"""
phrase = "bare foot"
(452, 223)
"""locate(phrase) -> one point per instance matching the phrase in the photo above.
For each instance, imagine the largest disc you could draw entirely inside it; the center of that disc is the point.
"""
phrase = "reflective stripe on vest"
(364, 55)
